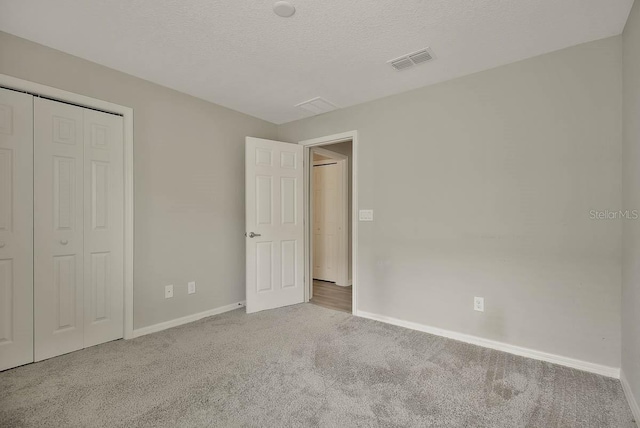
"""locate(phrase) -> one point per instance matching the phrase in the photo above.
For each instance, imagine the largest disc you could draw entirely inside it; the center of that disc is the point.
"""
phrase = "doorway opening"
(279, 241)
(329, 226)
(329, 209)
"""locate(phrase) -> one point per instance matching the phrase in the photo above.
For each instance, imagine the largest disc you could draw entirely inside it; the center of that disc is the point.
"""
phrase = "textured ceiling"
(239, 54)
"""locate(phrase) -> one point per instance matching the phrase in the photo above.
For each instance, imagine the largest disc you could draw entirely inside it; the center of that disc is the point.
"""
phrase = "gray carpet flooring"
(303, 366)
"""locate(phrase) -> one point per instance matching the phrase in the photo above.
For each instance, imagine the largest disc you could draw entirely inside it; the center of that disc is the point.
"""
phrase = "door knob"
(64, 241)
(253, 235)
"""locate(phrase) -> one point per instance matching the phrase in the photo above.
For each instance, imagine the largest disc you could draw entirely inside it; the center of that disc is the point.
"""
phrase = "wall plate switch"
(191, 287)
(365, 215)
(168, 291)
(478, 304)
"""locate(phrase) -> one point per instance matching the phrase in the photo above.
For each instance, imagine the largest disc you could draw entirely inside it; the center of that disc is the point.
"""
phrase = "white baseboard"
(184, 320)
(633, 403)
(499, 346)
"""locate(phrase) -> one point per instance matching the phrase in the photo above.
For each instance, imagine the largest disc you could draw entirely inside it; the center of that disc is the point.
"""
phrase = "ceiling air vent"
(414, 58)
(317, 105)
(401, 64)
(420, 57)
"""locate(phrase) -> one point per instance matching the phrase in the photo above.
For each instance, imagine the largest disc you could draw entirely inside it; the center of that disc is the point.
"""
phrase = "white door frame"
(308, 164)
(343, 242)
(10, 82)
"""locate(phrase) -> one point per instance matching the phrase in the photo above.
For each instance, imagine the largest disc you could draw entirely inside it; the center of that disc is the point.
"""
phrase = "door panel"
(288, 192)
(16, 229)
(7, 286)
(58, 228)
(288, 263)
(326, 216)
(6, 188)
(264, 266)
(103, 227)
(274, 206)
(65, 287)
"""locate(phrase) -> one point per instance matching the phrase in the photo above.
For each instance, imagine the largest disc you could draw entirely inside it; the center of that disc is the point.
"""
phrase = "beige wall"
(631, 200)
(189, 180)
(483, 186)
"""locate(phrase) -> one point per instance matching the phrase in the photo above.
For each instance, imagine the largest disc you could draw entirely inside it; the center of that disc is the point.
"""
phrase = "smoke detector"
(284, 9)
(317, 105)
(414, 58)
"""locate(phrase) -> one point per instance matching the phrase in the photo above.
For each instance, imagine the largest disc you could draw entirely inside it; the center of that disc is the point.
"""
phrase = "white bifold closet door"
(16, 229)
(78, 228)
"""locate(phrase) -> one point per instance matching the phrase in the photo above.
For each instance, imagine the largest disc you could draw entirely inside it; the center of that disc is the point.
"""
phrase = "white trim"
(344, 237)
(185, 320)
(127, 115)
(330, 139)
(329, 154)
(325, 162)
(499, 346)
(633, 403)
(307, 157)
(323, 141)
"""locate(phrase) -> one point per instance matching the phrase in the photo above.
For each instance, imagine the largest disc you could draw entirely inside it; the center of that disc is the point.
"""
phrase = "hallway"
(332, 296)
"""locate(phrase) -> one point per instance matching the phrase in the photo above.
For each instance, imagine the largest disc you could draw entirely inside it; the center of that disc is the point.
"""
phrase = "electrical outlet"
(478, 304)
(191, 287)
(168, 291)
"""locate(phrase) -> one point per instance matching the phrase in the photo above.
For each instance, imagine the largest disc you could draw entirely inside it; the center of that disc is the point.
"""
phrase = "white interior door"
(58, 228)
(78, 228)
(327, 207)
(103, 227)
(16, 229)
(274, 224)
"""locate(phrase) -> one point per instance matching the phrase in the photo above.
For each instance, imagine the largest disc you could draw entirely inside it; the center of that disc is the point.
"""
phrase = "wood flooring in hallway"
(332, 296)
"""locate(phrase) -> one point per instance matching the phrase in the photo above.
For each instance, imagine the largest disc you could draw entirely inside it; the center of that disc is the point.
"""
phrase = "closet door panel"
(104, 227)
(16, 229)
(58, 228)
(326, 211)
